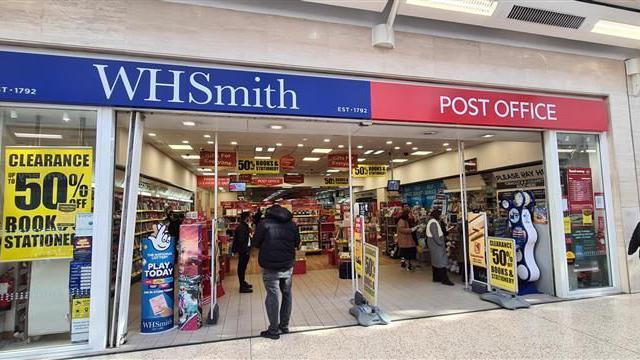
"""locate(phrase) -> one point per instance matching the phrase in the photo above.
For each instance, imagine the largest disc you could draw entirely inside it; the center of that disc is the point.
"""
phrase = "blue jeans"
(278, 314)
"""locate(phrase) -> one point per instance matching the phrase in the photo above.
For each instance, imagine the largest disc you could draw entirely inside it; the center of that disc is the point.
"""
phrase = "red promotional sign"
(341, 161)
(461, 106)
(245, 178)
(227, 204)
(209, 181)
(225, 159)
(287, 162)
(294, 179)
(579, 189)
(267, 181)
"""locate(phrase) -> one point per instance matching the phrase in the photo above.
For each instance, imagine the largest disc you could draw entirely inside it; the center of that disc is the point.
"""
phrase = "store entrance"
(303, 165)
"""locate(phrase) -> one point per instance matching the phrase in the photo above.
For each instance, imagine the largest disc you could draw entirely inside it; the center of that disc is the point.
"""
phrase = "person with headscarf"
(406, 243)
(437, 248)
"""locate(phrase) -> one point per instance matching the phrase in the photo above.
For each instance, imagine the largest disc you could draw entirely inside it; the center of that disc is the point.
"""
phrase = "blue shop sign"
(26, 77)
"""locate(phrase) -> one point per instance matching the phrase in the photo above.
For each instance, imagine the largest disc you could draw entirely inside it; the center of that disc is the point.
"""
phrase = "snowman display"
(524, 233)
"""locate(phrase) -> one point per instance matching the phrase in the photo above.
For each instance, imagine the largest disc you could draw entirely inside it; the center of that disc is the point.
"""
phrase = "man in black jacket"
(243, 249)
(277, 237)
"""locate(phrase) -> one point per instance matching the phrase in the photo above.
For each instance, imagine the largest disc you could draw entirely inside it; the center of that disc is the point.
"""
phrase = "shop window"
(583, 203)
(47, 166)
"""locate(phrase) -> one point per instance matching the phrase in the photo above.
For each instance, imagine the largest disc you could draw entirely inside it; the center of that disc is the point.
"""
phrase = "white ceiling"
(591, 11)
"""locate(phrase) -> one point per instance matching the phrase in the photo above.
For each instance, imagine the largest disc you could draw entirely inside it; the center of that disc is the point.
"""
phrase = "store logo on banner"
(341, 161)
(287, 162)
(161, 239)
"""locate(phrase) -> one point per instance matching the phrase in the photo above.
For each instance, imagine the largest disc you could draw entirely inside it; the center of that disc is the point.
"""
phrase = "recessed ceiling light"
(207, 136)
(475, 7)
(361, 159)
(327, 140)
(368, 152)
(409, 143)
(185, 141)
(340, 146)
(378, 152)
(204, 169)
(152, 134)
(37, 136)
(449, 149)
(421, 152)
(613, 28)
(276, 127)
(188, 123)
(258, 148)
(234, 143)
(389, 142)
(396, 147)
(321, 151)
(566, 150)
(210, 142)
(488, 135)
(278, 144)
(262, 157)
(445, 144)
(359, 146)
(310, 158)
(399, 160)
(232, 174)
(300, 145)
(191, 157)
(414, 148)
(271, 149)
(591, 150)
(208, 174)
(304, 139)
(65, 117)
(333, 170)
(180, 147)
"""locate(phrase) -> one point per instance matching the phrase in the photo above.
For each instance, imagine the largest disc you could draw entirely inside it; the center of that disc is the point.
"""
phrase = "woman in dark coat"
(438, 248)
(406, 244)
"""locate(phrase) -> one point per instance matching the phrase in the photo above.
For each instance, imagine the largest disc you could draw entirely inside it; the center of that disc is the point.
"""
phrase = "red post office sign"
(267, 181)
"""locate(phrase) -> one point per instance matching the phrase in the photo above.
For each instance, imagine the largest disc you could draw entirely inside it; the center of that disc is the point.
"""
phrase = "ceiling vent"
(545, 17)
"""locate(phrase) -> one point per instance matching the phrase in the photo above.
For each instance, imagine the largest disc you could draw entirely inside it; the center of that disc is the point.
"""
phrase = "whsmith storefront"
(58, 113)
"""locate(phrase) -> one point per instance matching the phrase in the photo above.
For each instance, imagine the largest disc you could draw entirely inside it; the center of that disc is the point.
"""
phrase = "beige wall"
(210, 34)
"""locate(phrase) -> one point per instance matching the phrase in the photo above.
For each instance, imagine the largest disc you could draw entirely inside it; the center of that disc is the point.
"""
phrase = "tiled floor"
(321, 300)
(598, 328)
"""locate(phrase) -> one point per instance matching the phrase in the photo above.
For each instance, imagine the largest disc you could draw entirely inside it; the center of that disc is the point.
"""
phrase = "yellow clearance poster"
(476, 233)
(370, 282)
(44, 188)
(362, 171)
(253, 166)
(358, 237)
(502, 264)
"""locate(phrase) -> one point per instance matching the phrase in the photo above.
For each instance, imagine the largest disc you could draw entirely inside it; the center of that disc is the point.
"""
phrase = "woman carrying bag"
(438, 248)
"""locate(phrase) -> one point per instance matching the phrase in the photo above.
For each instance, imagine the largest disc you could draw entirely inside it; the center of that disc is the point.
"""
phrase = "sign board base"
(212, 319)
(506, 301)
(369, 315)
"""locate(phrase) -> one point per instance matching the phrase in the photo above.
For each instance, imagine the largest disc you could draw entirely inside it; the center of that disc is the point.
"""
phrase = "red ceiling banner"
(209, 181)
(294, 179)
(462, 106)
(267, 181)
(287, 162)
(225, 158)
(341, 161)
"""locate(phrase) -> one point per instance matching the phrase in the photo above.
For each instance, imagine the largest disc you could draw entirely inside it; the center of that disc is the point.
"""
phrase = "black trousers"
(243, 261)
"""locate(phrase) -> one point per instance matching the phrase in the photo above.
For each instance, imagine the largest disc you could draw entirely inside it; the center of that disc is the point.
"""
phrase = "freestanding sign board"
(371, 264)
(502, 264)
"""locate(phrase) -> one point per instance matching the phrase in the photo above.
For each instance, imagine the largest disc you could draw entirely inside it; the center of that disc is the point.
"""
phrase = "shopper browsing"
(406, 243)
(242, 247)
(437, 248)
(277, 237)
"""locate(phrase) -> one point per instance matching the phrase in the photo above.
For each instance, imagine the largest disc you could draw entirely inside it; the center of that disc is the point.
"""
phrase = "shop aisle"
(321, 300)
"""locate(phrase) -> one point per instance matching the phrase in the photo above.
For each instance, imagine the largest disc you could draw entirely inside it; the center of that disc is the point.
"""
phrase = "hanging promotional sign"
(476, 233)
(341, 161)
(210, 181)
(157, 281)
(267, 181)
(44, 189)
(502, 265)
(358, 239)
(253, 166)
(225, 158)
(336, 181)
(287, 163)
(370, 281)
(293, 179)
(580, 190)
(361, 171)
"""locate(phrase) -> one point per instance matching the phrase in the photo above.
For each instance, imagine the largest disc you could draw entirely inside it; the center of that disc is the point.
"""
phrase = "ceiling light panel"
(421, 152)
(310, 158)
(37, 136)
(378, 152)
(368, 152)
(475, 7)
(181, 147)
(399, 160)
(617, 29)
(191, 157)
(321, 151)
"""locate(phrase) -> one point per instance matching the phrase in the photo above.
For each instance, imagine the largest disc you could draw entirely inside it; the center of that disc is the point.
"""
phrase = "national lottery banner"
(361, 170)
(253, 166)
(157, 281)
(502, 264)
(44, 189)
